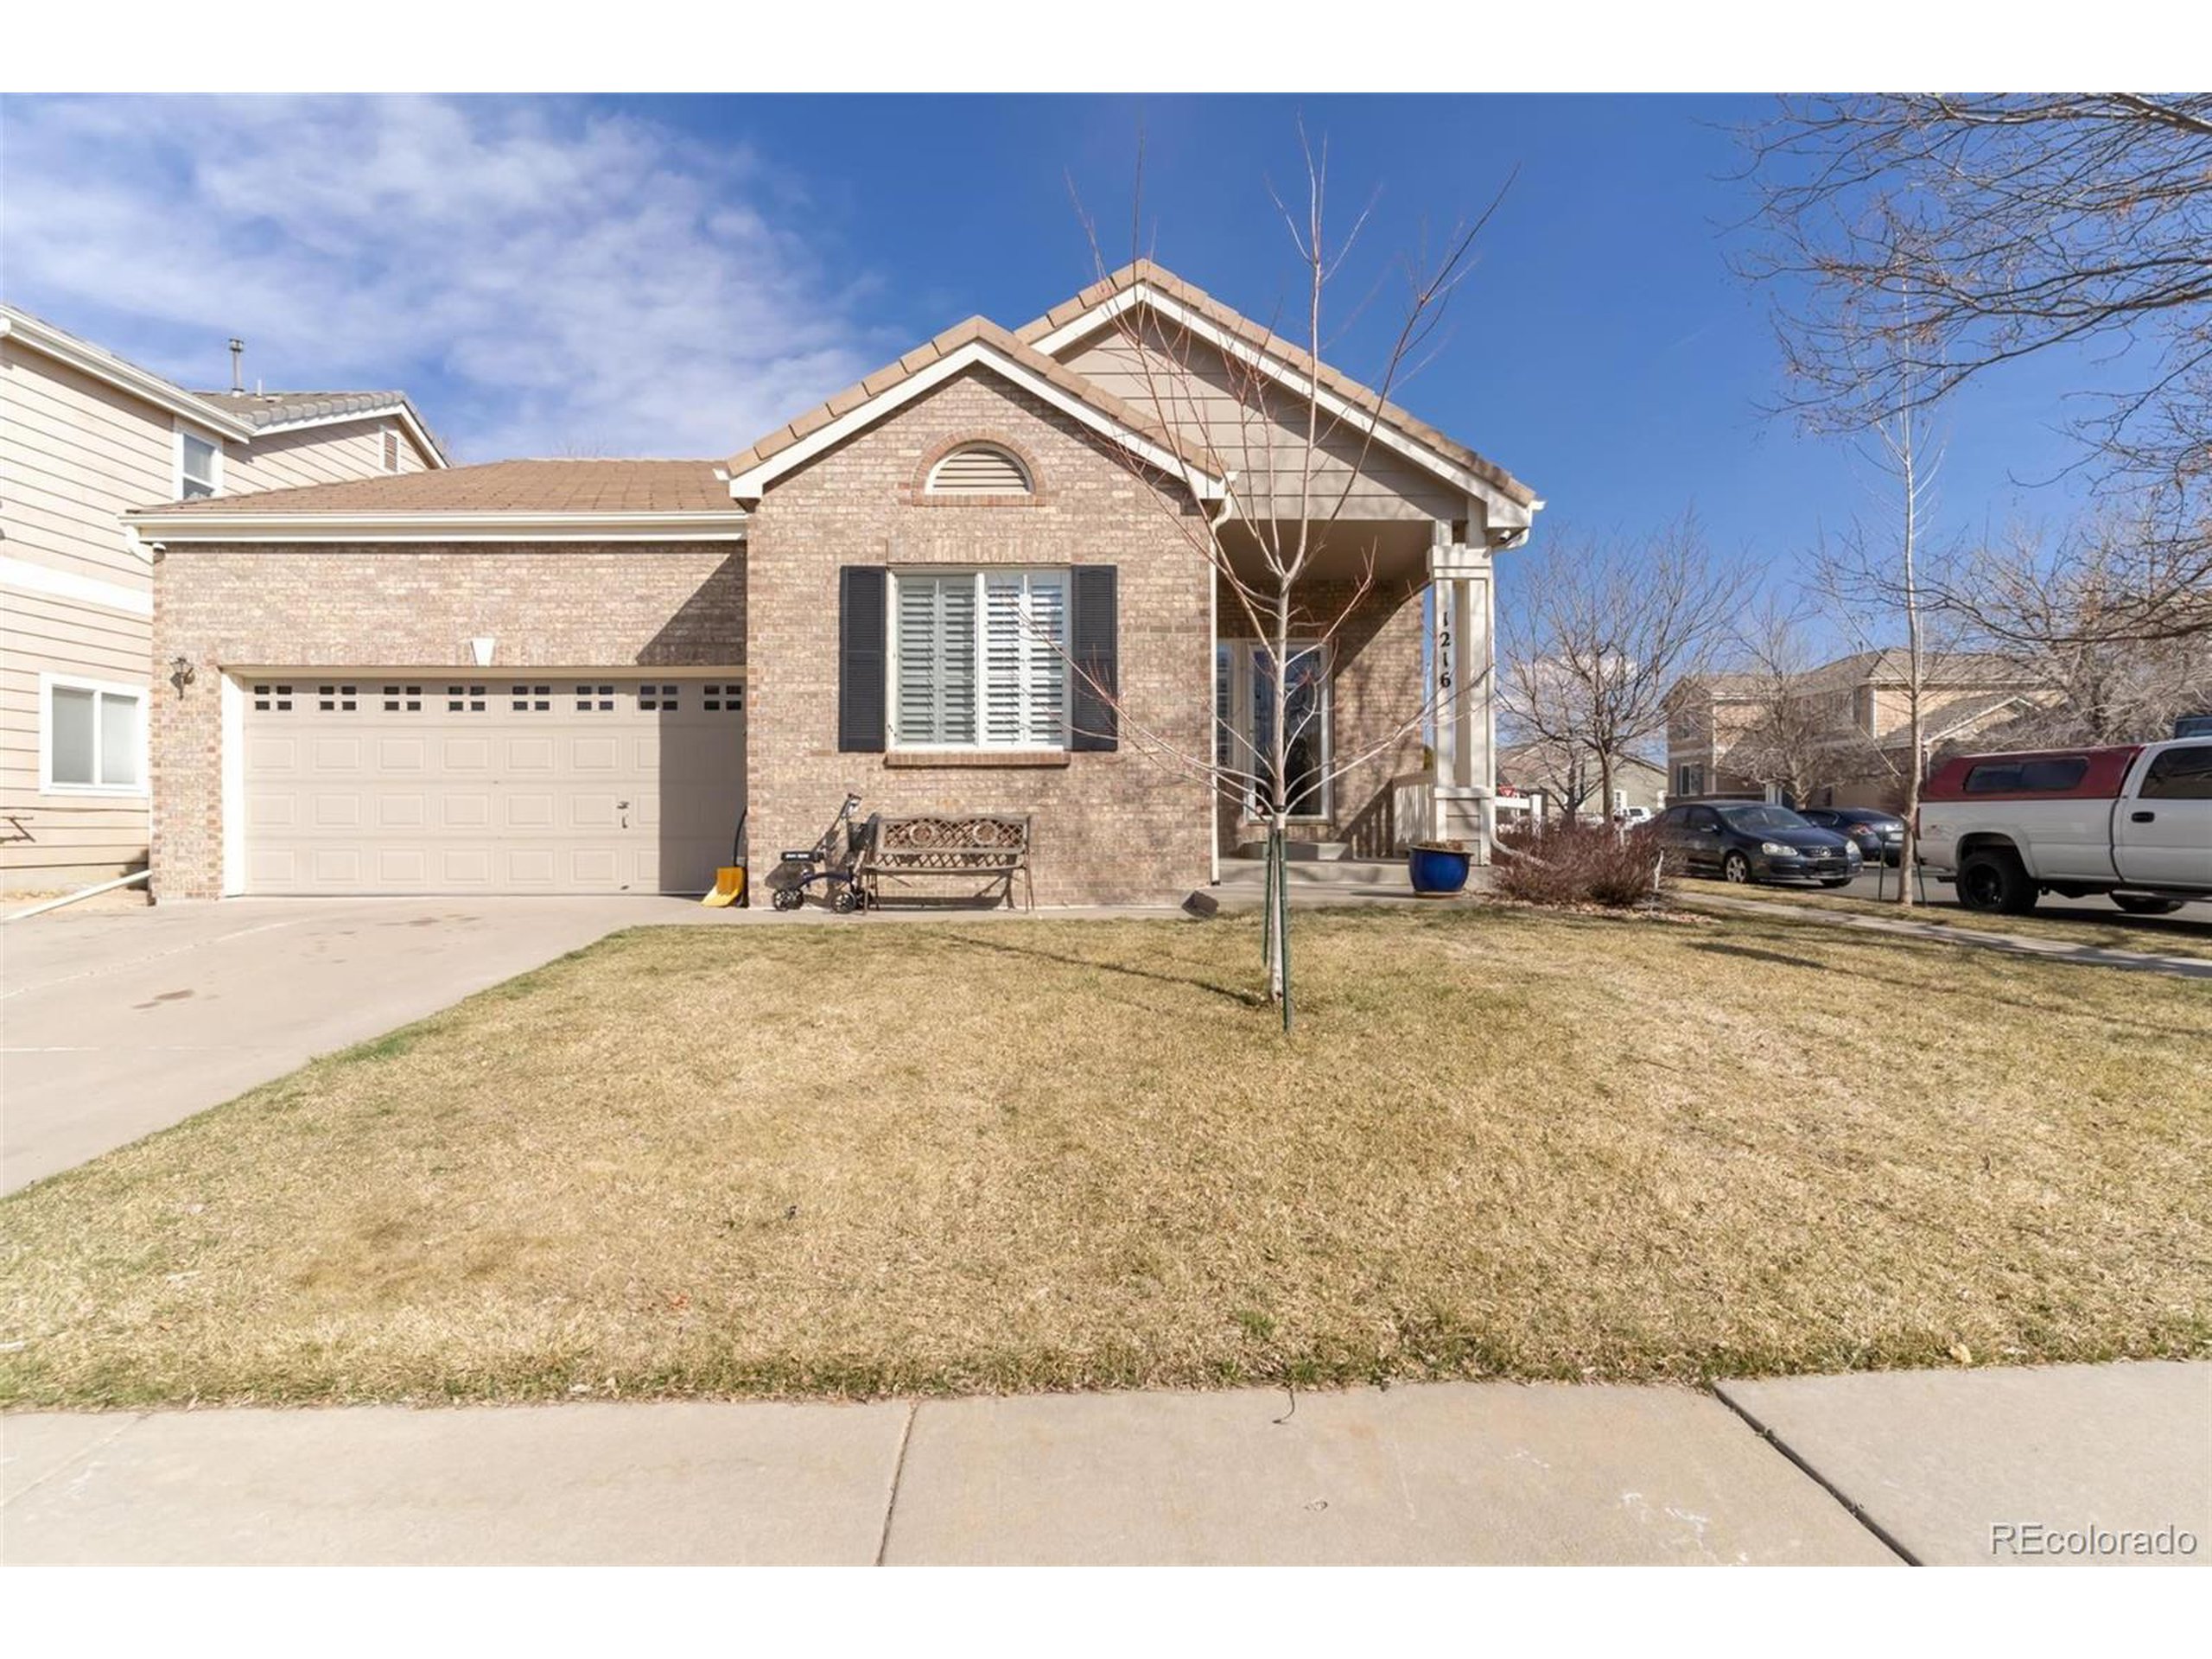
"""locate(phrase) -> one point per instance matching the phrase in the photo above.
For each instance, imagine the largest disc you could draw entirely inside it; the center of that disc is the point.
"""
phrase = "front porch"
(1390, 706)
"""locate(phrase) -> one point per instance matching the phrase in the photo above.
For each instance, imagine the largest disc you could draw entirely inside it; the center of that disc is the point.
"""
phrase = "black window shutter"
(860, 626)
(1094, 635)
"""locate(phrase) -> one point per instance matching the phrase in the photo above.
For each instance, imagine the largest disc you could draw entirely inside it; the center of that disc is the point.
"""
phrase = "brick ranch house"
(573, 675)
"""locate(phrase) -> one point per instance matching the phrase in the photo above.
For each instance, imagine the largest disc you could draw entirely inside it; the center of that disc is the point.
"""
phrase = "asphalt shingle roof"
(547, 486)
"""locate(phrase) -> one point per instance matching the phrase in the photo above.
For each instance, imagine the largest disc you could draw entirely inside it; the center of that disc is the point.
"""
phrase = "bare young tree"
(1277, 539)
(1604, 629)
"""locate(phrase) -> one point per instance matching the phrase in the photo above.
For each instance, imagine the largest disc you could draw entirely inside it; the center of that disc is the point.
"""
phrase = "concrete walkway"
(1863, 1470)
(2143, 961)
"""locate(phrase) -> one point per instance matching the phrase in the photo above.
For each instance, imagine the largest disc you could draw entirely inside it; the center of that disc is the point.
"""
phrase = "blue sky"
(675, 275)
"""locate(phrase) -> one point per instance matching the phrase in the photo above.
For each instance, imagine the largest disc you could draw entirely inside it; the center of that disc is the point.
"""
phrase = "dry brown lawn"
(976, 1156)
(2182, 935)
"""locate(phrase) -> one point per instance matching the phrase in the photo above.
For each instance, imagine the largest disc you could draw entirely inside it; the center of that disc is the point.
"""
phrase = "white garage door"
(401, 782)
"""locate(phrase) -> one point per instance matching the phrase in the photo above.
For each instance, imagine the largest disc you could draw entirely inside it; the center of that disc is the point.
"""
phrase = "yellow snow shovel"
(729, 880)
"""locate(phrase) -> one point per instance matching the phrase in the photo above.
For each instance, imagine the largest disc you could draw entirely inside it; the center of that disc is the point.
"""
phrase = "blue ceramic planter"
(1435, 870)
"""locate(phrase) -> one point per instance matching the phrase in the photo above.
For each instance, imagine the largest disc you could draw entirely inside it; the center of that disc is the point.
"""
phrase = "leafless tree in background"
(1292, 464)
(1604, 630)
(1913, 242)
(2064, 610)
(1800, 735)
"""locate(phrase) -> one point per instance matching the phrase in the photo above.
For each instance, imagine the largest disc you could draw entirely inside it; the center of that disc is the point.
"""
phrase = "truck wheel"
(1736, 868)
(2142, 904)
(1992, 880)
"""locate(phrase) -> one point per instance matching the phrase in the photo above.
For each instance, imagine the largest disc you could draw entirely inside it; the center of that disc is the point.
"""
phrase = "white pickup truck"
(2134, 822)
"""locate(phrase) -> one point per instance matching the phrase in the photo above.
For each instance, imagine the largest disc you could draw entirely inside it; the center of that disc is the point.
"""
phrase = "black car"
(1877, 835)
(1750, 840)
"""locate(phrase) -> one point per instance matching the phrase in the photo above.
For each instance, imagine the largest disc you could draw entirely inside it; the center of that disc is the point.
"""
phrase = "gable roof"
(289, 411)
(1144, 281)
(977, 342)
(552, 499)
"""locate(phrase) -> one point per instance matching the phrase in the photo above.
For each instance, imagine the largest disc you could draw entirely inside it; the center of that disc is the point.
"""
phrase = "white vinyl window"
(199, 466)
(1245, 715)
(91, 737)
(979, 659)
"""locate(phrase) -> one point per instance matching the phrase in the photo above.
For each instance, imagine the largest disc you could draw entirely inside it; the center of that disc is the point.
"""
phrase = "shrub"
(1572, 863)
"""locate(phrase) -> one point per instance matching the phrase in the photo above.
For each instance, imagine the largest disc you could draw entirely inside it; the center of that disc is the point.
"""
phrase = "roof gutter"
(172, 528)
(112, 370)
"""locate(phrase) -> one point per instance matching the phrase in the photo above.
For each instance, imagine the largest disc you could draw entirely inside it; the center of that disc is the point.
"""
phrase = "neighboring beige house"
(1553, 775)
(86, 437)
(1855, 710)
(964, 586)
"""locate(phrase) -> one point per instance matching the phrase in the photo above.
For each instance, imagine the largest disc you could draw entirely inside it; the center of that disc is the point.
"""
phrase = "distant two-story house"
(1847, 725)
(86, 437)
(968, 585)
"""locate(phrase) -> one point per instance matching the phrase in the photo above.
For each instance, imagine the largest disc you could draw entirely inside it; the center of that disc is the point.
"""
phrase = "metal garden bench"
(989, 848)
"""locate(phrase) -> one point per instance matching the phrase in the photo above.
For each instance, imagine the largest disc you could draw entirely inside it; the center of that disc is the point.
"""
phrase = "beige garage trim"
(430, 781)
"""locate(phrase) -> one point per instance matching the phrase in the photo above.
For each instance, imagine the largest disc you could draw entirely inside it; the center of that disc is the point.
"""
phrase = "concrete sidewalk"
(2091, 956)
(1863, 1470)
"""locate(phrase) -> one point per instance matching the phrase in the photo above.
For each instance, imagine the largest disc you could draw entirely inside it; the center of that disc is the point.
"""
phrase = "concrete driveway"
(115, 1023)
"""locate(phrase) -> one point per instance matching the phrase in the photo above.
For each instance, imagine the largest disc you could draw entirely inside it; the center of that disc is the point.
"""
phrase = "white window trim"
(980, 743)
(1242, 723)
(176, 457)
(140, 695)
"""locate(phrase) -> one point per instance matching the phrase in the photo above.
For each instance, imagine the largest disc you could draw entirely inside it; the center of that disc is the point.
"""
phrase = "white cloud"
(543, 276)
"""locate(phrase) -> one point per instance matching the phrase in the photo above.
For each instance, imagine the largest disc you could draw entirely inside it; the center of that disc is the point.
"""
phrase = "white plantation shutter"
(1025, 658)
(935, 633)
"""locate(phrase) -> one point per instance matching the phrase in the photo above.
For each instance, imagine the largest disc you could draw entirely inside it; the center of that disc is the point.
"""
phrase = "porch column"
(1464, 693)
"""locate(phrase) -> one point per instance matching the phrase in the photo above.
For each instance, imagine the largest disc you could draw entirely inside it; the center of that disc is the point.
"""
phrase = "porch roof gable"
(1142, 282)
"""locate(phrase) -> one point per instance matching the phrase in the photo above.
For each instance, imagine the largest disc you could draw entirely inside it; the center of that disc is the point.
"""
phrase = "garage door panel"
(527, 810)
(402, 755)
(421, 785)
(468, 756)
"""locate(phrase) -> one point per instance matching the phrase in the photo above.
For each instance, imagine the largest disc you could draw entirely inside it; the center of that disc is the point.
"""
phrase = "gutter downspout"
(135, 877)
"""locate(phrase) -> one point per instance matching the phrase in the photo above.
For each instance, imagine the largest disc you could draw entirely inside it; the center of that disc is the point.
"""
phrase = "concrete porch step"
(1316, 872)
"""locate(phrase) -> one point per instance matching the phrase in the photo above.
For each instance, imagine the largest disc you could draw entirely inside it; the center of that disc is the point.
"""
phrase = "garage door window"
(533, 699)
(400, 700)
(464, 699)
(95, 739)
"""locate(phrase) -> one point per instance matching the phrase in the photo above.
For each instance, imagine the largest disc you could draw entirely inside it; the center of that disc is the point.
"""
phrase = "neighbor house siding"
(75, 454)
(317, 454)
(1109, 827)
(549, 606)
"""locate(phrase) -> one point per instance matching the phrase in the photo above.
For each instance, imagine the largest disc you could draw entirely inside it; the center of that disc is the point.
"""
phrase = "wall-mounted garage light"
(480, 649)
(182, 673)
